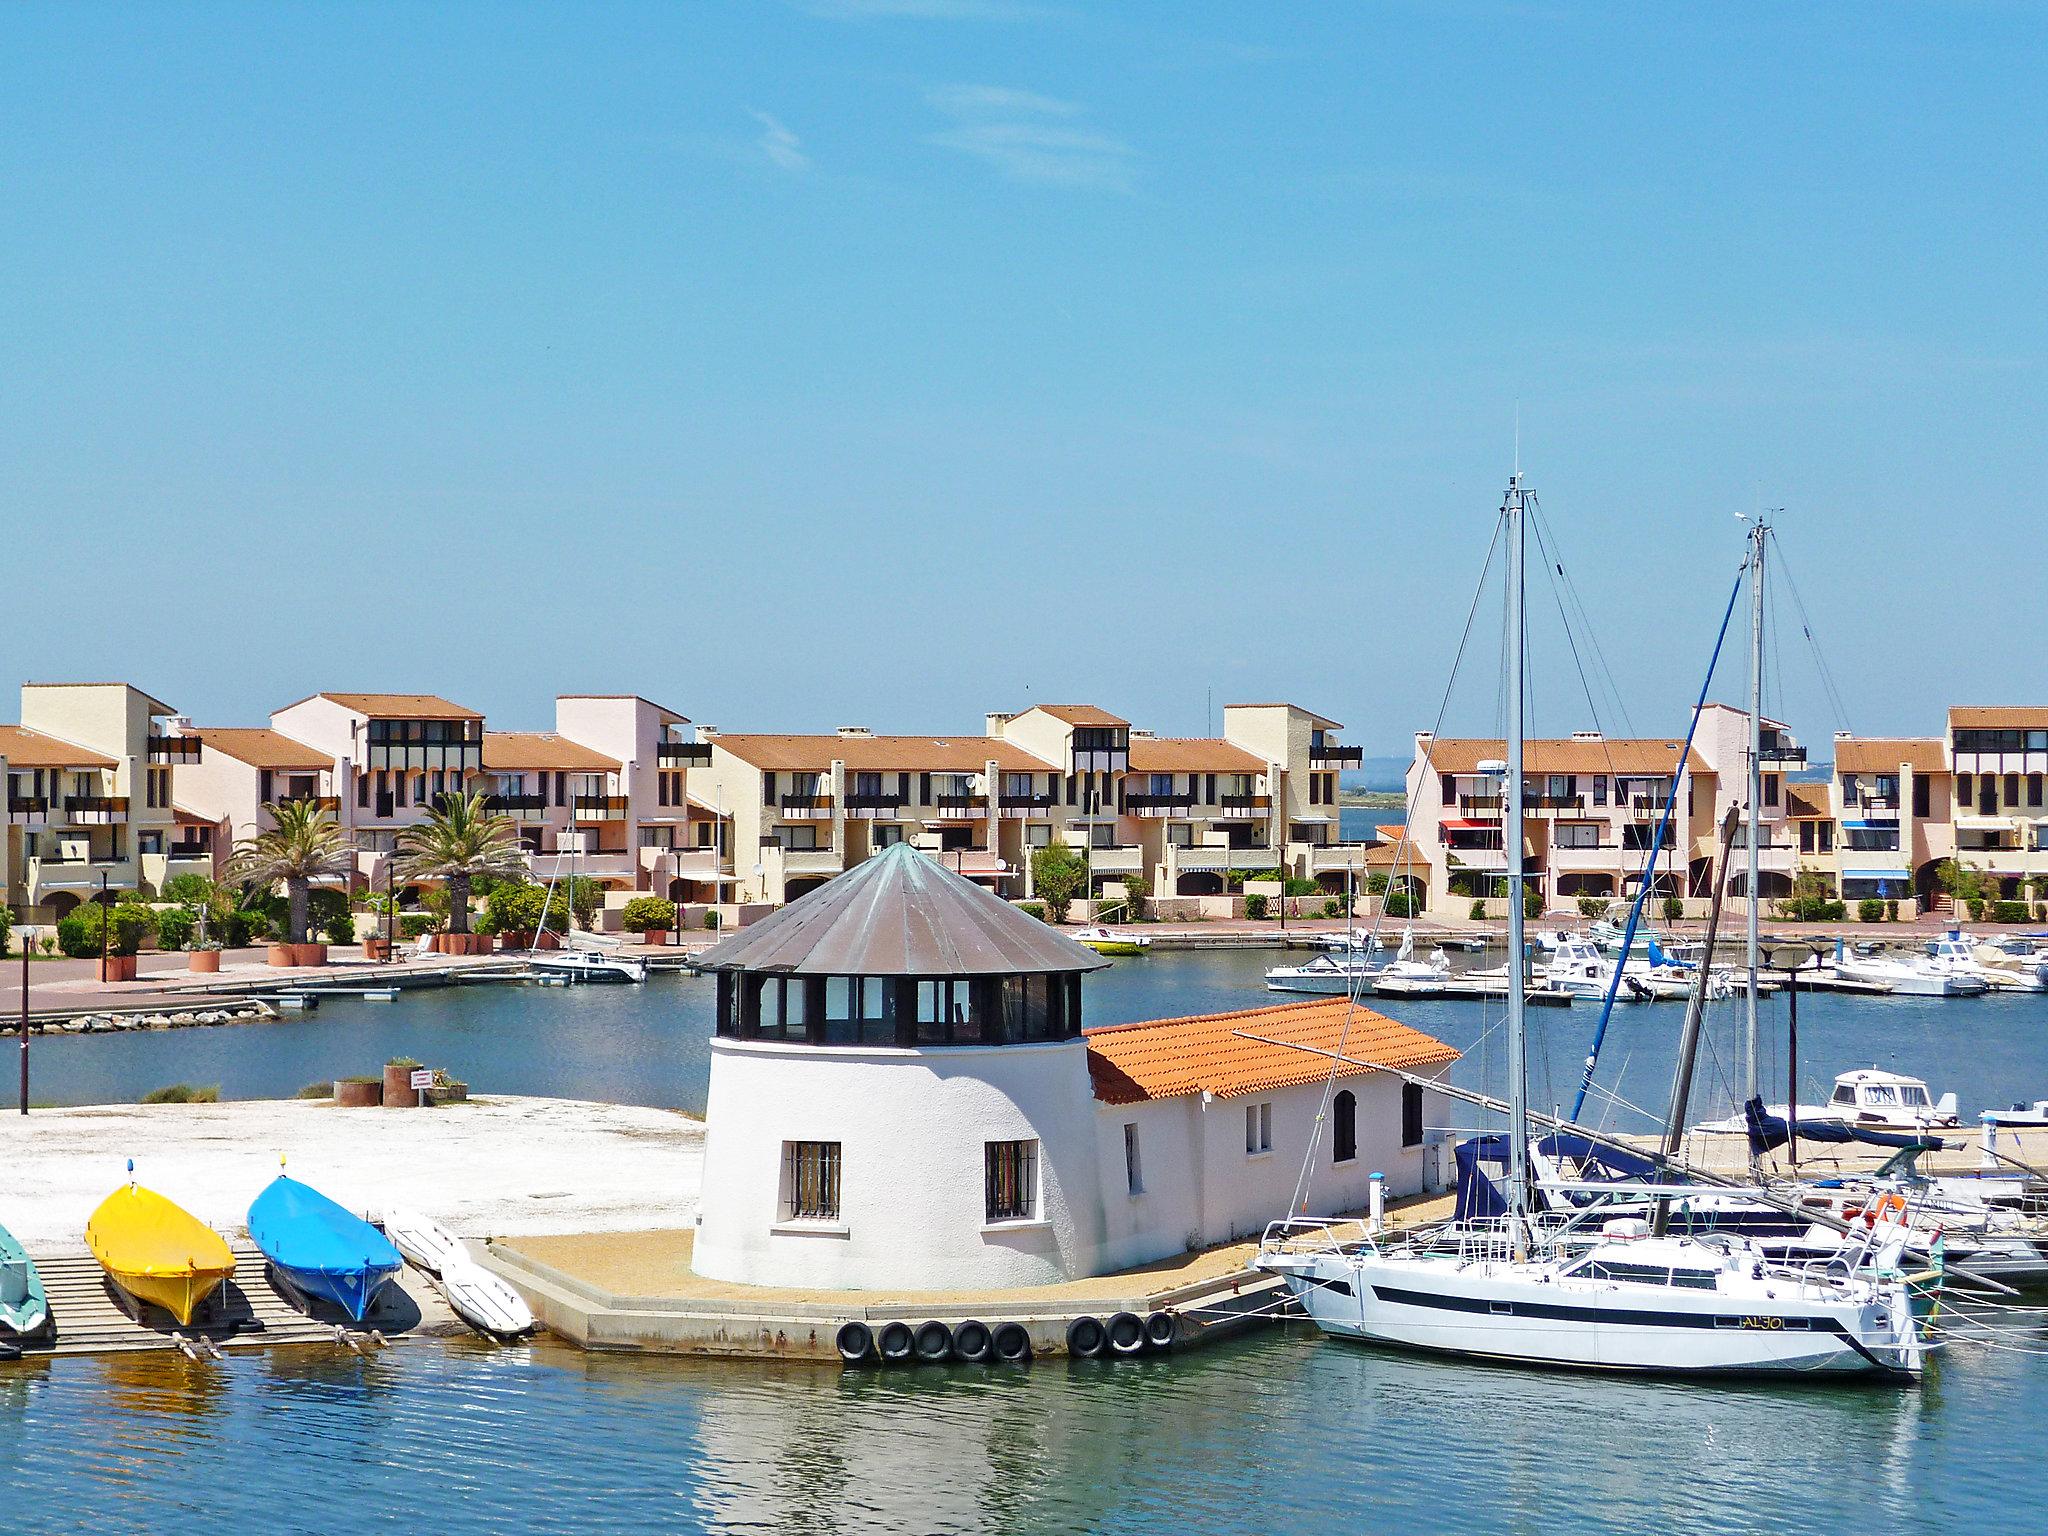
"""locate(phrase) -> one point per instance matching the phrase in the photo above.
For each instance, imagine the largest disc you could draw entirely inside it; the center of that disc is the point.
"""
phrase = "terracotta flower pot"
(309, 954)
(376, 949)
(117, 968)
(204, 961)
(550, 941)
(654, 936)
(358, 1095)
(399, 1092)
(281, 954)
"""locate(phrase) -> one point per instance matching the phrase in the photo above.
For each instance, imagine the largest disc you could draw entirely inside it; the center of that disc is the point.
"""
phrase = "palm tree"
(304, 844)
(458, 842)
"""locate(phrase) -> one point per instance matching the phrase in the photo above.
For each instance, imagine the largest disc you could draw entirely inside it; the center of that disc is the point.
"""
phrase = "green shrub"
(79, 934)
(412, 924)
(1334, 907)
(1891, 909)
(340, 928)
(187, 890)
(1976, 906)
(324, 1090)
(1034, 908)
(1870, 910)
(1255, 907)
(1672, 908)
(1478, 912)
(648, 914)
(1296, 886)
(6, 927)
(1592, 906)
(711, 917)
(174, 928)
(1401, 904)
(1375, 882)
(2010, 912)
(244, 925)
(183, 1093)
(514, 906)
(1136, 889)
(1834, 911)
(1058, 874)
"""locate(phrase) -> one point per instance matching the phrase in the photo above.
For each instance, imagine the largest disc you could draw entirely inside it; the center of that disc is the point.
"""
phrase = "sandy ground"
(502, 1165)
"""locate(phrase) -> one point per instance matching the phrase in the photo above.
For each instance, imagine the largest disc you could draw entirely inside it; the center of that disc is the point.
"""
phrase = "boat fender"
(1127, 1333)
(896, 1343)
(1012, 1343)
(973, 1343)
(856, 1342)
(1161, 1330)
(1086, 1338)
(934, 1343)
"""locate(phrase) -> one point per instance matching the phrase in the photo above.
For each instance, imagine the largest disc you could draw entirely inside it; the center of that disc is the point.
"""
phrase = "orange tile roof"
(1081, 714)
(1884, 754)
(1191, 754)
(1994, 716)
(1171, 1058)
(260, 747)
(1391, 831)
(1805, 802)
(543, 749)
(913, 754)
(1614, 754)
(24, 748)
(397, 706)
(1386, 855)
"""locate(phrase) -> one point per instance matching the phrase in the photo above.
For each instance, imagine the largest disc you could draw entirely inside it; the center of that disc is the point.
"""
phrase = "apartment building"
(1998, 778)
(1183, 812)
(88, 778)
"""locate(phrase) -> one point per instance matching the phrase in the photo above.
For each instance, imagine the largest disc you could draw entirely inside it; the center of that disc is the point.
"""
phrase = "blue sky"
(885, 361)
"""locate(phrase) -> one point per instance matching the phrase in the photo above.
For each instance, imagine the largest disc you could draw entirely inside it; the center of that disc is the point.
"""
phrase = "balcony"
(599, 807)
(328, 803)
(1099, 760)
(1024, 805)
(1210, 856)
(686, 863)
(958, 807)
(683, 754)
(1245, 807)
(174, 749)
(525, 807)
(193, 851)
(1878, 804)
(1116, 859)
(28, 807)
(1329, 857)
(1782, 752)
(811, 861)
(1159, 805)
(1654, 804)
(96, 810)
(1330, 755)
(876, 807)
(805, 808)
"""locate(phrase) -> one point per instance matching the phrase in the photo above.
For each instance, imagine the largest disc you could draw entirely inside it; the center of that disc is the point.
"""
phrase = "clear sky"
(887, 361)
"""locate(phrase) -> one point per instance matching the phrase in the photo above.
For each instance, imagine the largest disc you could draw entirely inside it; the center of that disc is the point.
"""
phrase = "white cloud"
(1030, 137)
(782, 147)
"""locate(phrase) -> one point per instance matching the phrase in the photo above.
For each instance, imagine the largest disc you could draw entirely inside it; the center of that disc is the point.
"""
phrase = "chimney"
(853, 732)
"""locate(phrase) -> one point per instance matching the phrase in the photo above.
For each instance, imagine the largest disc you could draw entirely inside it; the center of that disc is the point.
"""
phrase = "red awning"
(1469, 826)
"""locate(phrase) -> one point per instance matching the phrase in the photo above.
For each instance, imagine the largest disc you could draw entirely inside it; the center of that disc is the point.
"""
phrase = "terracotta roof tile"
(24, 748)
(1806, 802)
(905, 754)
(1171, 1058)
(260, 747)
(1884, 754)
(543, 749)
(398, 706)
(1191, 754)
(1997, 716)
(1082, 714)
(1614, 754)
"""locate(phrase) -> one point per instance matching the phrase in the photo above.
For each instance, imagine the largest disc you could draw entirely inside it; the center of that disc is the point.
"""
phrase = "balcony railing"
(516, 805)
(1782, 752)
(174, 749)
(28, 807)
(1649, 803)
(1875, 803)
(806, 807)
(101, 810)
(189, 851)
(683, 754)
(1239, 807)
(1332, 756)
(1154, 805)
(959, 805)
(328, 803)
(1020, 804)
(875, 804)
(599, 807)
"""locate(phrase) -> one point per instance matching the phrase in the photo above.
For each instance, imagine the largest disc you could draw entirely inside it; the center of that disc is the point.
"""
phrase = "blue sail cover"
(1658, 957)
(329, 1253)
(1768, 1132)
(1479, 1195)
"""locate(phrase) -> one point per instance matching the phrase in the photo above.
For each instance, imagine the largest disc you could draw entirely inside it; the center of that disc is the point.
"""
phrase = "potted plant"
(358, 1092)
(398, 1090)
(649, 916)
(304, 844)
(459, 843)
(204, 957)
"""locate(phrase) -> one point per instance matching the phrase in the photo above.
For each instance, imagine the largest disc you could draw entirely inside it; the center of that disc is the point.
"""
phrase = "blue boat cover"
(1658, 957)
(1767, 1132)
(321, 1247)
(1479, 1195)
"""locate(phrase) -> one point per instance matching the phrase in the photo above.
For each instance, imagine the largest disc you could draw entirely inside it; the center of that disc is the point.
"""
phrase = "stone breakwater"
(250, 1011)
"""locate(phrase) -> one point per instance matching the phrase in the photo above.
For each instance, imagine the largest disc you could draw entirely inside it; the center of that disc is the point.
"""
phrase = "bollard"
(1988, 1159)
(1376, 1207)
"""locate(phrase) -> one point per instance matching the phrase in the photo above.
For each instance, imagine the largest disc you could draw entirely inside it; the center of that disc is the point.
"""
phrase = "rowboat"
(320, 1249)
(24, 1309)
(484, 1300)
(424, 1240)
(158, 1252)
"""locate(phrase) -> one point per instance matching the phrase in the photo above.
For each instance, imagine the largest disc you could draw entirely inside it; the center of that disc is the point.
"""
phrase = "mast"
(1756, 794)
(1511, 824)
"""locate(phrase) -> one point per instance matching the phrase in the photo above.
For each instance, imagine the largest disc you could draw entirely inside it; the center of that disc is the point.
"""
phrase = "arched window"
(1344, 1147)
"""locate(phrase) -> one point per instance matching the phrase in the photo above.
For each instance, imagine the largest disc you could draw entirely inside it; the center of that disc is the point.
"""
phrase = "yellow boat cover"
(158, 1251)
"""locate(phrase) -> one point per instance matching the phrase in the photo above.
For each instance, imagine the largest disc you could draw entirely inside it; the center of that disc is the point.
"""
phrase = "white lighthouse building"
(903, 1098)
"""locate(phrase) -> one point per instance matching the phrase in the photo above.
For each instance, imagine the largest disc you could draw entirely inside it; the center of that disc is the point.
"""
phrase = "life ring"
(1012, 1343)
(1881, 1209)
(1086, 1338)
(972, 1343)
(856, 1343)
(1161, 1330)
(934, 1343)
(1127, 1333)
(896, 1343)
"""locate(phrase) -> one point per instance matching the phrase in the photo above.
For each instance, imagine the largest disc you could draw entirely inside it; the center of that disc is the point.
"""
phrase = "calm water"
(1284, 1432)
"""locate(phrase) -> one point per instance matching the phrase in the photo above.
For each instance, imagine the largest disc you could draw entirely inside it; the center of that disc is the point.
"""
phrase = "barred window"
(810, 1181)
(1012, 1180)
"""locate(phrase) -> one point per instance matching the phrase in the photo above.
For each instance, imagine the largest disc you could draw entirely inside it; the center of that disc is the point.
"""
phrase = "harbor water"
(1281, 1431)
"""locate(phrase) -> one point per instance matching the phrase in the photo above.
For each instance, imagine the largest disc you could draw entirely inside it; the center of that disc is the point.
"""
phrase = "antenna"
(1518, 439)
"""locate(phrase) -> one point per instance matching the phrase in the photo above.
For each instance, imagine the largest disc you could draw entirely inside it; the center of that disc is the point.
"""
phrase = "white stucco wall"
(913, 1127)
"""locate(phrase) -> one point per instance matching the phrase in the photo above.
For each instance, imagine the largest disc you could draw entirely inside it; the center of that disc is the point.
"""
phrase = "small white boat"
(1326, 975)
(1579, 969)
(1868, 1097)
(423, 1240)
(1112, 941)
(1914, 976)
(587, 963)
(2020, 1116)
(2017, 964)
(485, 1301)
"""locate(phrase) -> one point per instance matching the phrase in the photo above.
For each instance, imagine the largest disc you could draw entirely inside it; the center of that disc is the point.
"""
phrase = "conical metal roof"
(901, 913)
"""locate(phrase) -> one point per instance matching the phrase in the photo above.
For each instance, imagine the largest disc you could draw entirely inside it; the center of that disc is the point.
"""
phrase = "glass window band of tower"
(899, 1010)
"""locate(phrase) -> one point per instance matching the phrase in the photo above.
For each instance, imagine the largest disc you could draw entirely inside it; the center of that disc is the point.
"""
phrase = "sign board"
(423, 1078)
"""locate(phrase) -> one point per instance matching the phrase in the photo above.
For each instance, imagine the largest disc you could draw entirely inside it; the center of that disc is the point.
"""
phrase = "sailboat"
(1588, 1290)
(584, 956)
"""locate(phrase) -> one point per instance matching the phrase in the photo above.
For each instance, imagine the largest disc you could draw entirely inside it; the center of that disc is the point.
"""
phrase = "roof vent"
(854, 731)
(1587, 736)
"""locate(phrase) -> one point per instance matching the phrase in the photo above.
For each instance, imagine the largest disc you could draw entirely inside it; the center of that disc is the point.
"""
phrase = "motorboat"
(320, 1249)
(1868, 1097)
(158, 1252)
(1908, 976)
(1328, 975)
(1359, 940)
(2018, 964)
(1577, 967)
(24, 1309)
(1112, 941)
(2020, 1116)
